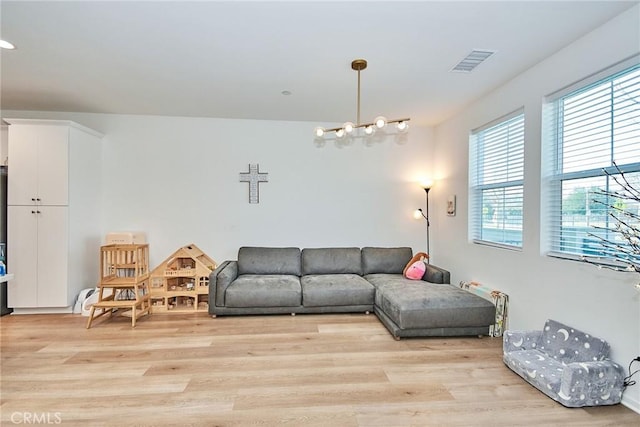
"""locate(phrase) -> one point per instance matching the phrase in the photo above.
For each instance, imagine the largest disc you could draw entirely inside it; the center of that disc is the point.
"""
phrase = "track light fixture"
(350, 128)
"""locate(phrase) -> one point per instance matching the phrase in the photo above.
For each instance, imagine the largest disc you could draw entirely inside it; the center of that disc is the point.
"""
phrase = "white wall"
(177, 179)
(601, 302)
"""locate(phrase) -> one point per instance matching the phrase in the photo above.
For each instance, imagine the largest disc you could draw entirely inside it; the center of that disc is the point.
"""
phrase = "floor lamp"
(426, 186)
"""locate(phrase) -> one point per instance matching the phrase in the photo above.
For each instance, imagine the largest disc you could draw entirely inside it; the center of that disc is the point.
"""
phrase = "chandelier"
(350, 128)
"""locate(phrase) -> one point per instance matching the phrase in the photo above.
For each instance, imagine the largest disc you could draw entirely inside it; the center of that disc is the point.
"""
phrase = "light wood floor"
(307, 370)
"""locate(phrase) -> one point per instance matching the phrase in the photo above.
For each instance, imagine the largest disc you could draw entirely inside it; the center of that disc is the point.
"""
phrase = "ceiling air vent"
(471, 61)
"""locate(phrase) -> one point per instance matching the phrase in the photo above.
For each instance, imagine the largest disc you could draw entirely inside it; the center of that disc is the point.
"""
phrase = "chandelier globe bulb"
(380, 122)
(348, 127)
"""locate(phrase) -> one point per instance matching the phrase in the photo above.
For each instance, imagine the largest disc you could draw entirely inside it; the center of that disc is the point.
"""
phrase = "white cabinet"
(54, 213)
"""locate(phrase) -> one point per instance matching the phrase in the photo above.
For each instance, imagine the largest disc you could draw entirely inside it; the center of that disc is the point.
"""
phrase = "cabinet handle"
(37, 199)
(33, 199)
(38, 212)
(33, 212)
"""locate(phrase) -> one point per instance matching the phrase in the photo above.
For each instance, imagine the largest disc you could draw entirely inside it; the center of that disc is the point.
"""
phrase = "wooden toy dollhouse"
(181, 282)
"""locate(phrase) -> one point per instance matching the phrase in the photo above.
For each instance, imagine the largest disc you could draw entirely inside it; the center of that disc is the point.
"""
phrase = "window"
(496, 177)
(590, 130)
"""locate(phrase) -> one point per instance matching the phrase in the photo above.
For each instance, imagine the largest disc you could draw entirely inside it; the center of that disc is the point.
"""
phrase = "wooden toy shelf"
(124, 282)
(180, 284)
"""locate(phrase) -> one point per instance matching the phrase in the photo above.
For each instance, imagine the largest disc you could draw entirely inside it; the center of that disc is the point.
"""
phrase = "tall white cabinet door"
(53, 165)
(39, 162)
(53, 256)
(22, 187)
(22, 260)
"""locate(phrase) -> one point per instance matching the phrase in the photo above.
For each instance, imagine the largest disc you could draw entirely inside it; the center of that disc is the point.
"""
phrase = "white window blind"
(588, 131)
(496, 178)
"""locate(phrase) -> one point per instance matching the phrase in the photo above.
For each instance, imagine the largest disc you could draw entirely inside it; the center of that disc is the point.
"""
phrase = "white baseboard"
(631, 403)
(43, 310)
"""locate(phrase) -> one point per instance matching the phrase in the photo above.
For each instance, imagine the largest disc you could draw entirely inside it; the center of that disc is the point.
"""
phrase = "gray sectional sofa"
(266, 280)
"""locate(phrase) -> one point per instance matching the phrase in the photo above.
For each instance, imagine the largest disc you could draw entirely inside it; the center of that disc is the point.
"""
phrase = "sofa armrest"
(219, 280)
(436, 274)
(520, 340)
(595, 381)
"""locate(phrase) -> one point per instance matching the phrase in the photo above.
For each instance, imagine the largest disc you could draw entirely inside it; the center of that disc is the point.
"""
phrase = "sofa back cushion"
(331, 261)
(385, 260)
(567, 345)
(259, 260)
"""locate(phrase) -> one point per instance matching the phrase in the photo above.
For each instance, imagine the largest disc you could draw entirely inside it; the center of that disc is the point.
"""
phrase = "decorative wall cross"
(254, 177)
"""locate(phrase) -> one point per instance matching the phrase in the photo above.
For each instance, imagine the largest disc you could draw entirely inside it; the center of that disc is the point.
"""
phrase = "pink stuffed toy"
(416, 268)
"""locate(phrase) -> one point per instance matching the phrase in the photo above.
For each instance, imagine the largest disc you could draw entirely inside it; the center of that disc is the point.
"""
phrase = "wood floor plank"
(305, 370)
(195, 366)
(157, 409)
(272, 378)
(117, 344)
(136, 386)
(482, 413)
(65, 372)
(334, 394)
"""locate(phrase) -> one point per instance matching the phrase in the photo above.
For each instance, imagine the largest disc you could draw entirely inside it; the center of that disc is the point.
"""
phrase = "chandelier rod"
(358, 65)
(358, 114)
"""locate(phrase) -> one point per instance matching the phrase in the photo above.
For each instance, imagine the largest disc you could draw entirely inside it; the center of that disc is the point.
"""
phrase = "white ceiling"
(234, 59)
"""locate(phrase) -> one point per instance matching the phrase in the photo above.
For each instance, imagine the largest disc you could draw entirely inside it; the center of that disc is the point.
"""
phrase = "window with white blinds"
(589, 131)
(496, 179)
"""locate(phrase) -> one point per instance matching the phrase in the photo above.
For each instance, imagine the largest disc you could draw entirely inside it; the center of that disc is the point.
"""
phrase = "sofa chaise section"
(419, 308)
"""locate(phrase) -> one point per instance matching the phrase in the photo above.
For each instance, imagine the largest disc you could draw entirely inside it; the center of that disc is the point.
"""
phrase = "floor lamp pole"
(426, 190)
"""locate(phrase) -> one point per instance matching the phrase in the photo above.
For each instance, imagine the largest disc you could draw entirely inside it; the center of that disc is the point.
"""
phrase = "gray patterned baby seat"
(566, 364)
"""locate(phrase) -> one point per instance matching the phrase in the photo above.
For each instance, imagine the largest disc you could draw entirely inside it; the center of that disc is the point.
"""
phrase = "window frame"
(477, 186)
(553, 178)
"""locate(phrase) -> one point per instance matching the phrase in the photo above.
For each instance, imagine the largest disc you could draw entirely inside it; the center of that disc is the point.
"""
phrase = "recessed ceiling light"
(286, 92)
(6, 45)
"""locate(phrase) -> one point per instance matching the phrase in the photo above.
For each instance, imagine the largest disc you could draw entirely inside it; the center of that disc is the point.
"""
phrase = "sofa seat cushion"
(320, 290)
(382, 280)
(273, 290)
(411, 304)
(541, 371)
